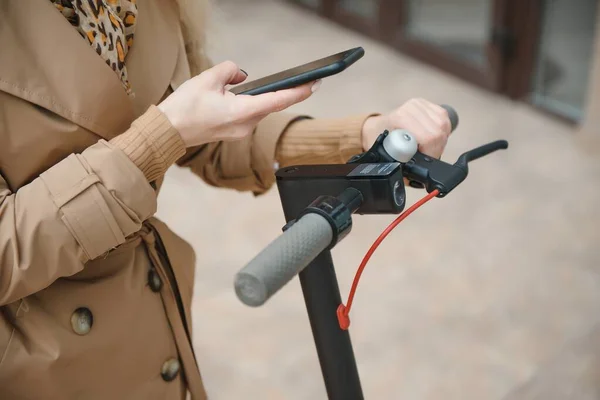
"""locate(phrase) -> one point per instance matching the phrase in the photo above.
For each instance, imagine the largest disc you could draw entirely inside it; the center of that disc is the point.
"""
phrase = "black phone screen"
(292, 72)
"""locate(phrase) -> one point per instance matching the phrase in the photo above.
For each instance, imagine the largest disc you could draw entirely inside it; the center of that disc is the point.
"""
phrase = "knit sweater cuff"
(309, 141)
(152, 143)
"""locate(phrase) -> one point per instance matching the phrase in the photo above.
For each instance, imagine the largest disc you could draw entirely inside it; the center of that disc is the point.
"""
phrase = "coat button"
(154, 280)
(170, 369)
(82, 321)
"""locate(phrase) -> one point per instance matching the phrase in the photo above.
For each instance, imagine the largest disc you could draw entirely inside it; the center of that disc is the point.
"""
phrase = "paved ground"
(466, 300)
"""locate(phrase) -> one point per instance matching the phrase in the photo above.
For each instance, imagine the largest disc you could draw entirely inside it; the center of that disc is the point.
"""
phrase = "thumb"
(225, 73)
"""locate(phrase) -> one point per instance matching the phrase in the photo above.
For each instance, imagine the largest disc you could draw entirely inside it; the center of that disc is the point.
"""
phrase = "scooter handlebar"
(291, 252)
(283, 259)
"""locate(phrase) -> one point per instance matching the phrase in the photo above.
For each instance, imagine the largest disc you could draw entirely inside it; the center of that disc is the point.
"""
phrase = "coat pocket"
(180, 259)
(180, 256)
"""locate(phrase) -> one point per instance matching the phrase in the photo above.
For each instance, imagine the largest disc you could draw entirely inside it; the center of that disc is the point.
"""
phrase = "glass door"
(364, 16)
(562, 62)
(367, 10)
(538, 51)
(459, 28)
(464, 37)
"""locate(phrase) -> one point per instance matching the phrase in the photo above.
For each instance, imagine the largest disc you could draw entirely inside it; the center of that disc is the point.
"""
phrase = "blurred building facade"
(537, 51)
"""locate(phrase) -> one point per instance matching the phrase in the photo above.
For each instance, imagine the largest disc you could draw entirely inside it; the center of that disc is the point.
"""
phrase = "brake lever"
(432, 174)
(421, 170)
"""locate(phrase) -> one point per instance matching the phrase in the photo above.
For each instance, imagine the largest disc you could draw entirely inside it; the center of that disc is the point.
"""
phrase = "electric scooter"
(318, 202)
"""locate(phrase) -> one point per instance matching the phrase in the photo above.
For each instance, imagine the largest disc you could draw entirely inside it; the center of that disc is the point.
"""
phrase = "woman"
(97, 99)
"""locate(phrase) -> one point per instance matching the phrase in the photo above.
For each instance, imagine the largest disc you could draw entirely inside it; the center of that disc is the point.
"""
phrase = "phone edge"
(356, 54)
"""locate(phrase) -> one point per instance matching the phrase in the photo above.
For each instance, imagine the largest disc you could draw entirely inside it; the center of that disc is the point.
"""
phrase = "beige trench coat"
(95, 292)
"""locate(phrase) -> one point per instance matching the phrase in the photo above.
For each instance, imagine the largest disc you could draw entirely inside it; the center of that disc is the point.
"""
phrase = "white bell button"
(400, 145)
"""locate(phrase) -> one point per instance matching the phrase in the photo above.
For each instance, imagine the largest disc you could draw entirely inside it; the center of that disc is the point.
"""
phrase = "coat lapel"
(152, 59)
(46, 62)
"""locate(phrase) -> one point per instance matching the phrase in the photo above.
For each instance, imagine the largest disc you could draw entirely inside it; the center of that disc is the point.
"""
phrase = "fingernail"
(245, 73)
(316, 86)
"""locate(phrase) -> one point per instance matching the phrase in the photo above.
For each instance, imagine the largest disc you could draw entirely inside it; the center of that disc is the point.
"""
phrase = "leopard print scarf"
(108, 26)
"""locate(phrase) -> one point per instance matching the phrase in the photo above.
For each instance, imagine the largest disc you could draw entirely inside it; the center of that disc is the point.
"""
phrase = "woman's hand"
(203, 110)
(427, 122)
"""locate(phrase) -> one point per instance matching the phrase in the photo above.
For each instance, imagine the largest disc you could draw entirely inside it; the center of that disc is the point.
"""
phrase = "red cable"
(343, 311)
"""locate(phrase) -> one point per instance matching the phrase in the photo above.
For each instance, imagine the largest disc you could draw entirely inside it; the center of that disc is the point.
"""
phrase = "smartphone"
(299, 75)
